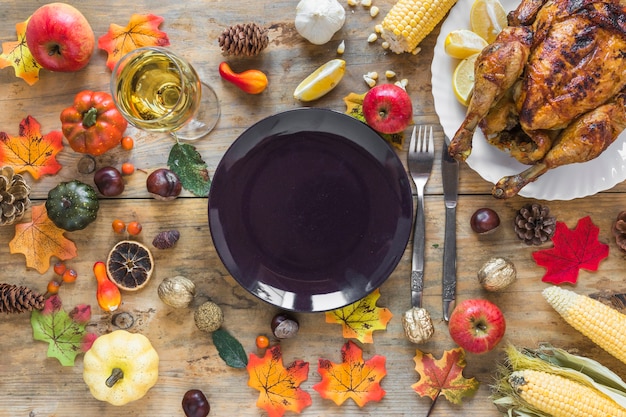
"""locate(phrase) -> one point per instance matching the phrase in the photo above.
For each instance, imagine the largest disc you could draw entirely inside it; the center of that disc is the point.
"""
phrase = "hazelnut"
(177, 292)
(208, 317)
(284, 326)
(496, 274)
(164, 184)
(417, 324)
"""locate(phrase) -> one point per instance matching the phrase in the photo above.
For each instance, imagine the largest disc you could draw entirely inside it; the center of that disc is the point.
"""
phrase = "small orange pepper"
(251, 81)
(108, 295)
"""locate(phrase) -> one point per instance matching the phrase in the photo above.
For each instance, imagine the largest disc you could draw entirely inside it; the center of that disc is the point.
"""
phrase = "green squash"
(72, 205)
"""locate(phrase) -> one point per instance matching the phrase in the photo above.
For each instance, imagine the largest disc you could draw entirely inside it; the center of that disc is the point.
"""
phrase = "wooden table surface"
(33, 385)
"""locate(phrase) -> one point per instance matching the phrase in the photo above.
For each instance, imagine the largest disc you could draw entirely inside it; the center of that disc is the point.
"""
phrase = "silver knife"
(450, 173)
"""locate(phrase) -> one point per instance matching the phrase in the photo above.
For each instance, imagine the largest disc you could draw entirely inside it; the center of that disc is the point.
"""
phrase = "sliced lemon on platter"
(463, 43)
(487, 18)
(463, 79)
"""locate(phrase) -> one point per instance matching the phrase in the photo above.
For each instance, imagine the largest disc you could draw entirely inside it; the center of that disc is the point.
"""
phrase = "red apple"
(387, 108)
(59, 37)
(477, 325)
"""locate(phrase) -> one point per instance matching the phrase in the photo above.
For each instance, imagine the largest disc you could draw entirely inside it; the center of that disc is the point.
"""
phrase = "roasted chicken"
(550, 90)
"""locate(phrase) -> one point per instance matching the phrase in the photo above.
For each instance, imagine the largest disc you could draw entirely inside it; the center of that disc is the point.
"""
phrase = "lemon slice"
(487, 18)
(321, 81)
(463, 79)
(463, 43)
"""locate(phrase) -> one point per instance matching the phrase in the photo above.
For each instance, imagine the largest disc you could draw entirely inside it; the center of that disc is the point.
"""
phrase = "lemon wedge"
(463, 43)
(463, 79)
(321, 81)
(487, 18)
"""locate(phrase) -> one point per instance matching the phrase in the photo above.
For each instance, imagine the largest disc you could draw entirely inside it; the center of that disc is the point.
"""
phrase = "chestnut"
(484, 220)
(164, 184)
(284, 326)
(109, 181)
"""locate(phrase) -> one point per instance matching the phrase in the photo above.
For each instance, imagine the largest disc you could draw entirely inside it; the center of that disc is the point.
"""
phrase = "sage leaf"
(186, 162)
(229, 349)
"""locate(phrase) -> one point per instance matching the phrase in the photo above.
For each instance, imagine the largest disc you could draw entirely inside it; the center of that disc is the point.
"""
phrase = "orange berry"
(134, 228)
(69, 275)
(262, 342)
(59, 268)
(53, 286)
(127, 168)
(127, 143)
(118, 226)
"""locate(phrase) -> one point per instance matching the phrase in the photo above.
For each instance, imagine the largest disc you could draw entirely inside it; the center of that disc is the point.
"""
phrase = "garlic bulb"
(318, 20)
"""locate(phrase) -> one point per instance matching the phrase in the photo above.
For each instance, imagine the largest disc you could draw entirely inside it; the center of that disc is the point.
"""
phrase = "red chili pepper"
(251, 81)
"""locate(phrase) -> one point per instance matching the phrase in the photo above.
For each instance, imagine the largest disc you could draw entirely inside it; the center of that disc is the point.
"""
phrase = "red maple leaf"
(352, 378)
(279, 387)
(31, 151)
(443, 376)
(573, 250)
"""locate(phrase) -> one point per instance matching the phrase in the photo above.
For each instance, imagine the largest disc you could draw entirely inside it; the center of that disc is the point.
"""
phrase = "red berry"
(53, 286)
(118, 226)
(134, 228)
(262, 342)
(59, 268)
(127, 168)
(69, 275)
(127, 143)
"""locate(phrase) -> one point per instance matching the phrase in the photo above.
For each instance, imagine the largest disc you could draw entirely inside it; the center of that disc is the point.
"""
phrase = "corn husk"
(559, 362)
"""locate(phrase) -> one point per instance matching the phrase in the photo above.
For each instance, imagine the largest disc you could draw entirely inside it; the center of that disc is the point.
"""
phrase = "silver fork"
(420, 160)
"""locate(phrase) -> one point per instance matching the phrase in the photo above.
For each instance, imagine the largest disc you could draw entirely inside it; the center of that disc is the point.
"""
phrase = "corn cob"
(605, 326)
(410, 21)
(562, 397)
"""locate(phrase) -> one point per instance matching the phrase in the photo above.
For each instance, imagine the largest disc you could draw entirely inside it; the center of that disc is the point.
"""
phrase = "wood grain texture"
(33, 385)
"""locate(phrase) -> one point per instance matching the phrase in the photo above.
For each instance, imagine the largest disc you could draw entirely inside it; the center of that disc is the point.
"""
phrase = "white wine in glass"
(159, 91)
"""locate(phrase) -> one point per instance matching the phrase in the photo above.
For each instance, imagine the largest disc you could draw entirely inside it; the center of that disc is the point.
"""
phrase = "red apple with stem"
(387, 108)
(477, 325)
(59, 37)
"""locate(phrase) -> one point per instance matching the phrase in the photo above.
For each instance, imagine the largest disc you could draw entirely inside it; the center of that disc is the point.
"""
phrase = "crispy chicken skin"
(557, 102)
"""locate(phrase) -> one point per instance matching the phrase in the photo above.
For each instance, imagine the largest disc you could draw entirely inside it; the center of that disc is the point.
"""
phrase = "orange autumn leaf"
(142, 30)
(443, 376)
(279, 387)
(31, 151)
(17, 55)
(360, 319)
(41, 239)
(352, 378)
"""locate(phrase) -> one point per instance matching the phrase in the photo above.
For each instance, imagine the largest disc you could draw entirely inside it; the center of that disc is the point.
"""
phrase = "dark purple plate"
(310, 210)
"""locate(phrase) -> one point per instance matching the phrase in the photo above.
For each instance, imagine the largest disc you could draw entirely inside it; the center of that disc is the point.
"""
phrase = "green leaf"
(63, 334)
(229, 349)
(191, 169)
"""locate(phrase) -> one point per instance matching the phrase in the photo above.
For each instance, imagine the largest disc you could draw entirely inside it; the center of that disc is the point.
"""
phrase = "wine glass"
(157, 90)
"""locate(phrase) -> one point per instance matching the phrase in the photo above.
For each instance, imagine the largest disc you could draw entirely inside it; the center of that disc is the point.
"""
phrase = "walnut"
(418, 325)
(619, 230)
(496, 274)
(177, 292)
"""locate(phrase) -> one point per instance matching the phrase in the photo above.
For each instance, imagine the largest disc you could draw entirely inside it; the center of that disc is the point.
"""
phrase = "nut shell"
(284, 326)
(177, 292)
(496, 274)
(208, 317)
(417, 324)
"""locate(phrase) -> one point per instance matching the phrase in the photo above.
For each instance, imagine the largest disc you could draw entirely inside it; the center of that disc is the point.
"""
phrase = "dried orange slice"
(130, 265)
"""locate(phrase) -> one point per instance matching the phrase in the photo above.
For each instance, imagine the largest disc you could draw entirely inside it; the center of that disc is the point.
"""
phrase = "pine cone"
(17, 299)
(534, 225)
(619, 230)
(14, 194)
(244, 39)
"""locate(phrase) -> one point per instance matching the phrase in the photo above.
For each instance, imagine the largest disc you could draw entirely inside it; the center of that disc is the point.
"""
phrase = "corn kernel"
(374, 11)
(341, 48)
(352, 3)
(378, 28)
(366, 3)
(372, 38)
(369, 81)
(390, 74)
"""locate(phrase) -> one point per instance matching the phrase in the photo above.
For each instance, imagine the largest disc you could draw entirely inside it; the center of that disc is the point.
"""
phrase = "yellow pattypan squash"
(120, 367)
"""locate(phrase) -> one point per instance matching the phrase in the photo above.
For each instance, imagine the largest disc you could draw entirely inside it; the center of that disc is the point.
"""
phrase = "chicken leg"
(585, 139)
(497, 69)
